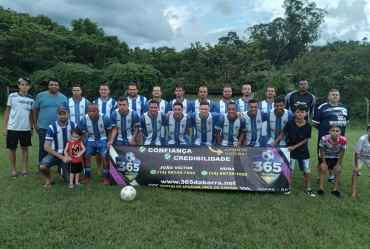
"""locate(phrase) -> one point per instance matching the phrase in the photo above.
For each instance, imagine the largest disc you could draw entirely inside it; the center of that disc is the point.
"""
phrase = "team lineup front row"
(74, 138)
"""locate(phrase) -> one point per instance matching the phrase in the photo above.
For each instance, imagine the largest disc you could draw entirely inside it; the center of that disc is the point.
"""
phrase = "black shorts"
(24, 138)
(331, 162)
(76, 168)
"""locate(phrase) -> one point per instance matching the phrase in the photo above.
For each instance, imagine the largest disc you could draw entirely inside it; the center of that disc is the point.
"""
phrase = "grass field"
(94, 216)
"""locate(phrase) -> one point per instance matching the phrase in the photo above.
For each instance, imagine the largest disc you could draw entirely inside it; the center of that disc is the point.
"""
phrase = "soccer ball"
(130, 157)
(267, 155)
(128, 193)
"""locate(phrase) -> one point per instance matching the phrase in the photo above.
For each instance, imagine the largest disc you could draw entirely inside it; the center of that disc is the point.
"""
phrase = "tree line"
(279, 53)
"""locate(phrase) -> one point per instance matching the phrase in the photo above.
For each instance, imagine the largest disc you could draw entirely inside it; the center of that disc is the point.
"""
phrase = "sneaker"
(336, 193)
(26, 173)
(309, 192)
(14, 175)
(79, 185)
(86, 180)
(49, 184)
(70, 186)
(330, 179)
(359, 173)
(321, 192)
(288, 192)
(106, 181)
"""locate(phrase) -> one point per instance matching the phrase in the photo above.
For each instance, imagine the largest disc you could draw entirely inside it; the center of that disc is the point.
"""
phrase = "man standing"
(99, 129)
(277, 118)
(77, 105)
(178, 125)
(204, 123)
(125, 123)
(17, 124)
(179, 92)
(202, 93)
(57, 136)
(151, 123)
(232, 128)
(253, 124)
(221, 105)
(266, 106)
(45, 112)
(107, 105)
(301, 97)
(327, 114)
(136, 101)
(243, 102)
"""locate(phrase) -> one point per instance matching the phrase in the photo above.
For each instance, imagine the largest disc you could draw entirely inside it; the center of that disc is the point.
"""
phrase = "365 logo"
(128, 166)
(267, 167)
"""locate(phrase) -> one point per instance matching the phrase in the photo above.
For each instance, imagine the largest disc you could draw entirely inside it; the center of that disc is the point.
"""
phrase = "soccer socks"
(106, 173)
(87, 172)
(331, 177)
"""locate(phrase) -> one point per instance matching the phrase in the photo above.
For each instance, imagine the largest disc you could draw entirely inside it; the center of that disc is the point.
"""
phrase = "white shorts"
(360, 162)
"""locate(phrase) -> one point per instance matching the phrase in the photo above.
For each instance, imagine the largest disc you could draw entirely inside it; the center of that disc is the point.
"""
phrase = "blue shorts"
(304, 165)
(98, 145)
(50, 160)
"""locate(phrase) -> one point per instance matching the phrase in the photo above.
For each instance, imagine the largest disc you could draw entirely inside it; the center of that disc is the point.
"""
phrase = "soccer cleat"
(309, 192)
(288, 192)
(321, 192)
(86, 180)
(336, 193)
(106, 181)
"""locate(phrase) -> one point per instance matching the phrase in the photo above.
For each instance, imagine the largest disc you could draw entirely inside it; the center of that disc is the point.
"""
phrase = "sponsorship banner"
(205, 167)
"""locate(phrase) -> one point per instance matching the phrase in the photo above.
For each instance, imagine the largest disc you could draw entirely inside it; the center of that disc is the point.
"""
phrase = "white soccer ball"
(128, 193)
(130, 157)
(267, 155)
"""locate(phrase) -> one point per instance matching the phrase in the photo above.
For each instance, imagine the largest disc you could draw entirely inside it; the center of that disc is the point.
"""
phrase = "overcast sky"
(177, 23)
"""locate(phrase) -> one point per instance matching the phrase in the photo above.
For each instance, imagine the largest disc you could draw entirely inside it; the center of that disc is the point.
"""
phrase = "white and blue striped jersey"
(186, 105)
(204, 128)
(96, 130)
(242, 105)
(106, 107)
(221, 106)
(125, 124)
(138, 104)
(59, 136)
(151, 128)
(230, 130)
(276, 125)
(253, 127)
(265, 107)
(178, 130)
(195, 105)
(77, 109)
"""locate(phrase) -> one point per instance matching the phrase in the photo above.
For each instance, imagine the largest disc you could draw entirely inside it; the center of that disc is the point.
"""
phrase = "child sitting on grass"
(332, 148)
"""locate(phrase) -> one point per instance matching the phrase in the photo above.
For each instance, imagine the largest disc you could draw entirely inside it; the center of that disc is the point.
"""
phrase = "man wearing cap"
(44, 112)
(57, 136)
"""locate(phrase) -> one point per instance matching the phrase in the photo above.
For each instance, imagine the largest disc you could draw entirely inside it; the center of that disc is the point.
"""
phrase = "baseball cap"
(62, 109)
(368, 126)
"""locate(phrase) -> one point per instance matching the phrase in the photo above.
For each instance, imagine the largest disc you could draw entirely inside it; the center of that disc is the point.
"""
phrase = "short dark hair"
(233, 103)
(76, 131)
(368, 127)
(178, 103)
(53, 79)
(279, 100)
(105, 85)
(301, 108)
(153, 101)
(204, 103)
(77, 85)
(335, 125)
(120, 99)
(178, 85)
(133, 84)
(253, 101)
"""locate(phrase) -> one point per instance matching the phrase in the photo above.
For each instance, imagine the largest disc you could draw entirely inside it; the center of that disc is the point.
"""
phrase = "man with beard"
(179, 92)
(328, 114)
(221, 106)
(266, 106)
(301, 97)
(202, 93)
(276, 120)
(136, 101)
(178, 125)
(232, 128)
(204, 124)
(253, 124)
(45, 112)
(151, 123)
(243, 102)
(98, 127)
(57, 136)
(77, 105)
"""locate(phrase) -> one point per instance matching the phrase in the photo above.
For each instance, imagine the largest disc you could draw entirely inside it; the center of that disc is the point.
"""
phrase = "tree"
(285, 38)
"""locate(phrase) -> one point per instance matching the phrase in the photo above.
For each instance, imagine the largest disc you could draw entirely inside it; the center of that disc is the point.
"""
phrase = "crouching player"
(361, 156)
(298, 132)
(332, 148)
(98, 127)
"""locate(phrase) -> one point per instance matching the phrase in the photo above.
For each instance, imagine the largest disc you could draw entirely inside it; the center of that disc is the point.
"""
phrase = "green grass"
(94, 216)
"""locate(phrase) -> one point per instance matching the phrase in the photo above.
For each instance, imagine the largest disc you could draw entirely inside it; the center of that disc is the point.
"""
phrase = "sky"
(178, 23)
